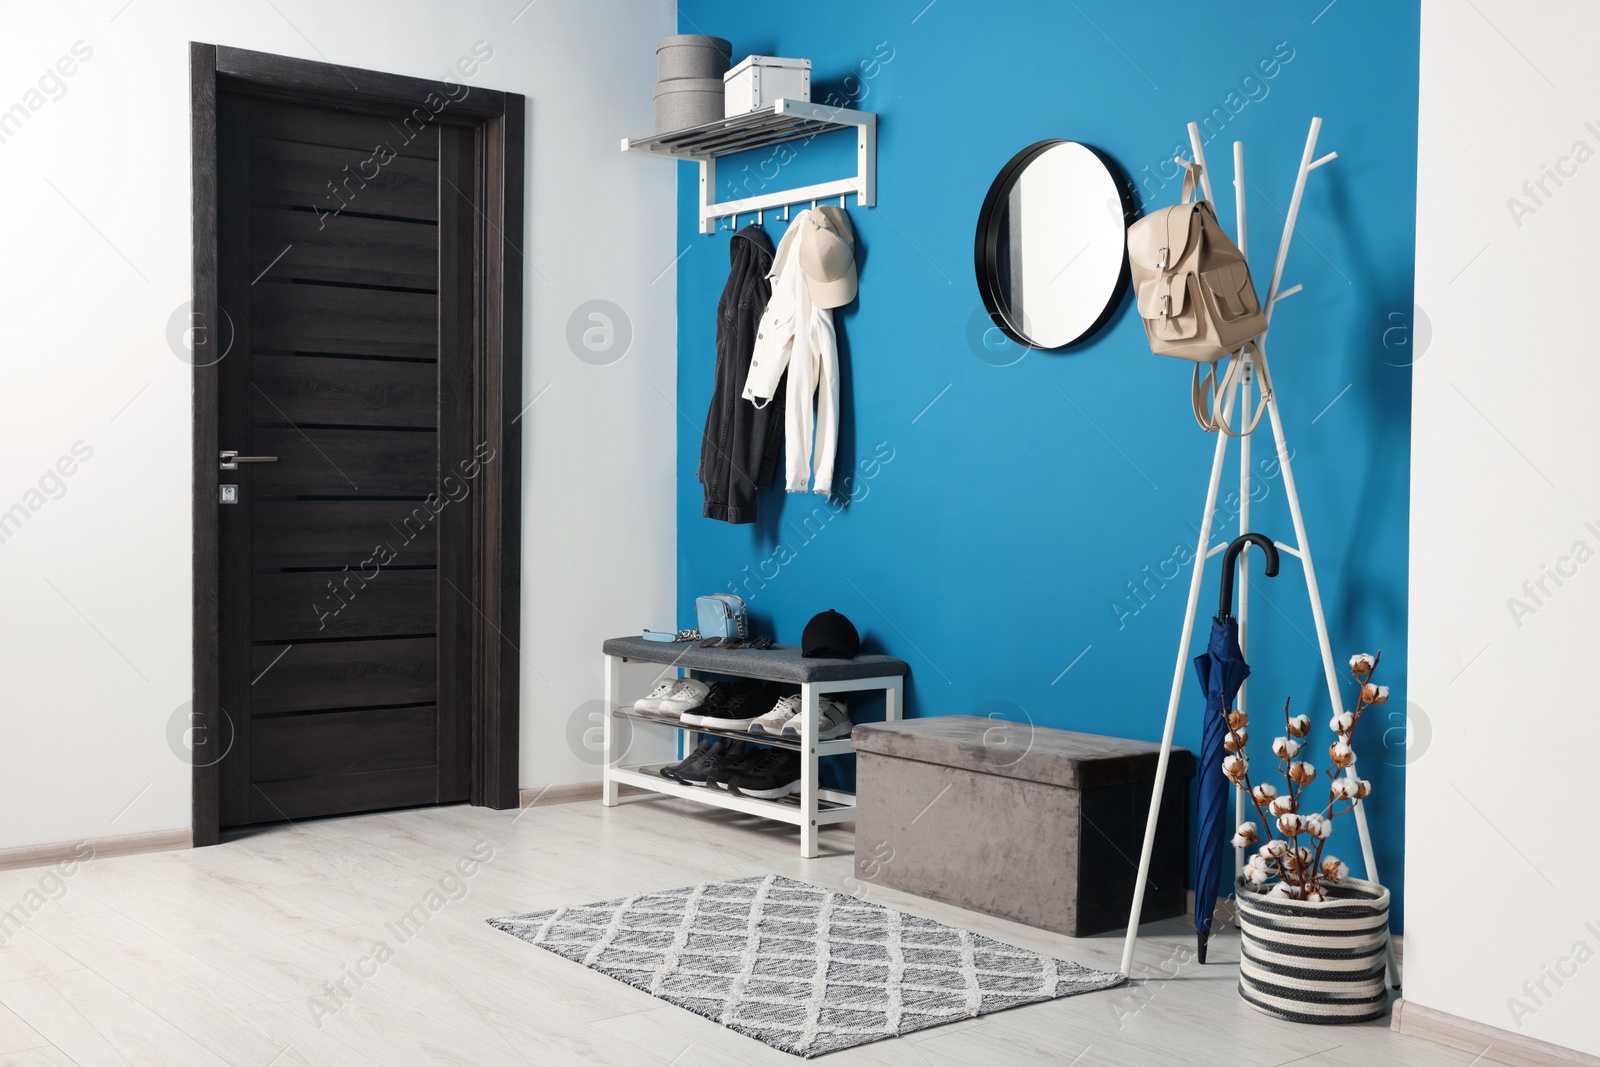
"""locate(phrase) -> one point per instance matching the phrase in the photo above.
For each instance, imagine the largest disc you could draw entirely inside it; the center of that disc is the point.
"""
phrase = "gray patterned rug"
(804, 969)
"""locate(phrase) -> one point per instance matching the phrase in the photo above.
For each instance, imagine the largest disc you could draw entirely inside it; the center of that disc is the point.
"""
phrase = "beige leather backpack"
(1194, 292)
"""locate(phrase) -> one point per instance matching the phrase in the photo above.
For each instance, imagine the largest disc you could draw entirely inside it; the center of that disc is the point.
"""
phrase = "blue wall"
(1011, 518)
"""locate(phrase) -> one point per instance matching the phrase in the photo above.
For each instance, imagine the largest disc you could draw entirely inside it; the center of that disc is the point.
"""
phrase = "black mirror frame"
(987, 242)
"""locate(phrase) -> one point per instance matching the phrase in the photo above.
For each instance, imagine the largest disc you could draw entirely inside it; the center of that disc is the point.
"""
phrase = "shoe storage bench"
(816, 807)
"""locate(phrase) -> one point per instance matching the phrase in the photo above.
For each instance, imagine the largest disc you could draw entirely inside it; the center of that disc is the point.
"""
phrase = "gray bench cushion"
(780, 663)
(1019, 750)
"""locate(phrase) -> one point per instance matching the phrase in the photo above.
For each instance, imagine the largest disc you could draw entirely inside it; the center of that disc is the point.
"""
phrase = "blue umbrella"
(1222, 671)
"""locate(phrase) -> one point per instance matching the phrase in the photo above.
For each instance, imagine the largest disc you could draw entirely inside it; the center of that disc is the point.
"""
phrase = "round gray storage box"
(685, 102)
(692, 55)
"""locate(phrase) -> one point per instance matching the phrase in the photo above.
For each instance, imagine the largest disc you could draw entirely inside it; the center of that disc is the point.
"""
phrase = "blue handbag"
(721, 615)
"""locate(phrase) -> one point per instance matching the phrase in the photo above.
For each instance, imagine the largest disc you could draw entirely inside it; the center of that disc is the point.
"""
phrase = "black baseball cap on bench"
(830, 636)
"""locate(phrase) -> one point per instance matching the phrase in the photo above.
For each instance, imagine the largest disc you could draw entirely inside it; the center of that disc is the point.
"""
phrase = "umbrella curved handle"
(1225, 603)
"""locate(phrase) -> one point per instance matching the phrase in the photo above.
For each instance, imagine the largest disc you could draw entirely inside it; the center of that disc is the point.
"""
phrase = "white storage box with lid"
(759, 80)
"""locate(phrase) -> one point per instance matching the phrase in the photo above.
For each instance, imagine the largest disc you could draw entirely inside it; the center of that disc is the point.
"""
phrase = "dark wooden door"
(345, 241)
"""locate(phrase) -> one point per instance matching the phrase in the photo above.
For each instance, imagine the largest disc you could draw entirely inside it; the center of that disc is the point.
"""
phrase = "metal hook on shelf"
(761, 218)
(786, 213)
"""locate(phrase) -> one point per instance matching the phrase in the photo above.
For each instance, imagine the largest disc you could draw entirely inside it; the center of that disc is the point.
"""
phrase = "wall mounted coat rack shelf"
(784, 120)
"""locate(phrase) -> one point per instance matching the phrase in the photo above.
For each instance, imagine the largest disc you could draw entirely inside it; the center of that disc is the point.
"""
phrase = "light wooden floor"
(226, 955)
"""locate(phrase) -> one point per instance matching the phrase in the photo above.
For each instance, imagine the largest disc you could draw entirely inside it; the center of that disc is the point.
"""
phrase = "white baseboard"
(1490, 1043)
(95, 848)
(558, 794)
(567, 794)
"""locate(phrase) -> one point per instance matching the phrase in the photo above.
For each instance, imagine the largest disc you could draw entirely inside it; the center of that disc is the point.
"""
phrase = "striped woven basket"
(1317, 962)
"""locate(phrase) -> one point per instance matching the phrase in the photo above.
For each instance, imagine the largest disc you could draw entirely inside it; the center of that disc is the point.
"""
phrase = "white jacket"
(798, 336)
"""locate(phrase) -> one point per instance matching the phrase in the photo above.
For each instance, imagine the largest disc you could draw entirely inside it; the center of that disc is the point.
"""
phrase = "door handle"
(231, 460)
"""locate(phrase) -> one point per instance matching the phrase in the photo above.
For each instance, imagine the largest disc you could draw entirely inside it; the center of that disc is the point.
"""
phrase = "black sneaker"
(722, 751)
(741, 704)
(694, 760)
(734, 766)
(776, 774)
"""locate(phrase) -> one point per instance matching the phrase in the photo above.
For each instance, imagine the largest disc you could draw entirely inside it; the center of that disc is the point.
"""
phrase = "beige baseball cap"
(828, 257)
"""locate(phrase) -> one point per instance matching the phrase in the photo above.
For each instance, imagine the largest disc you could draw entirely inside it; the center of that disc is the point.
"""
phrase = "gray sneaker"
(832, 721)
(774, 721)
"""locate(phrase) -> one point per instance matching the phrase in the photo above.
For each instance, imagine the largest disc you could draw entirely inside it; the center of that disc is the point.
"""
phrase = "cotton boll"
(1299, 726)
(1257, 875)
(1341, 754)
(1342, 788)
(1363, 788)
(1285, 748)
(1342, 723)
(1291, 824)
(1362, 663)
(1238, 720)
(1334, 869)
(1374, 694)
(1276, 848)
(1263, 794)
(1313, 895)
(1302, 773)
(1246, 835)
(1235, 767)
(1282, 805)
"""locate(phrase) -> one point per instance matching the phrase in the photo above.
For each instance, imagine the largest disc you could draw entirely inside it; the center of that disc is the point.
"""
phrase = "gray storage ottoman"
(1036, 825)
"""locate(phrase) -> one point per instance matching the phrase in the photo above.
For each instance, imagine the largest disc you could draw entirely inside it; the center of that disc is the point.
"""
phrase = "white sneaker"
(773, 721)
(832, 721)
(687, 695)
(652, 700)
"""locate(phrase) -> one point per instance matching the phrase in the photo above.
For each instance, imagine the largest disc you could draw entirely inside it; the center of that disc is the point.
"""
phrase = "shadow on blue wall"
(1018, 523)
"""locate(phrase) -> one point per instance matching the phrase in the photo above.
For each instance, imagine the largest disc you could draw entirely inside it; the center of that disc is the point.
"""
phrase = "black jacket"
(741, 444)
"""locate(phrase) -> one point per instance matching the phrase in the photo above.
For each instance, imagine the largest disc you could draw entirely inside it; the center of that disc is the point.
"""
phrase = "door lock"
(227, 494)
(231, 460)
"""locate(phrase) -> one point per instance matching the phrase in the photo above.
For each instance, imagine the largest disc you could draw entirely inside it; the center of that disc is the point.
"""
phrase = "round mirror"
(1052, 244)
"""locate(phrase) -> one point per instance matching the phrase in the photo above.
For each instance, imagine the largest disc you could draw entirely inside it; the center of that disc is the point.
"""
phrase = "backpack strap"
(1191, 180)
(1209, 395)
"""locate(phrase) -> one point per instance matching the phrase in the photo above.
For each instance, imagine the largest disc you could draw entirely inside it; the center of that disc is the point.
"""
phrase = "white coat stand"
(1254, 369)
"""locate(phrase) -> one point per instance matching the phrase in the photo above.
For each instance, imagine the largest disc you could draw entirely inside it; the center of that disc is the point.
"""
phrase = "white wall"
(1501, 862)
(95, 585)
